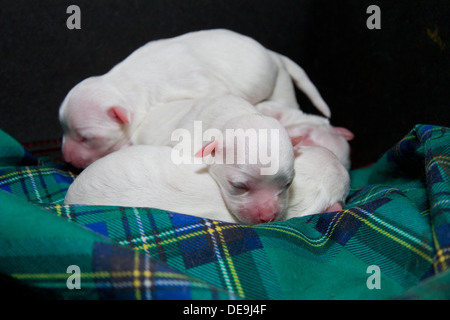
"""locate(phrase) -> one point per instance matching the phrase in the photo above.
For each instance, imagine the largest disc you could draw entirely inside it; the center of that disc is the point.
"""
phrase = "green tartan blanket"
(392, 240)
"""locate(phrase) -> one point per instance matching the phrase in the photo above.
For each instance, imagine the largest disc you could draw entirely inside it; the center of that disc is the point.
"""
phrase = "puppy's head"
(321, 183)
(327, 136)
(95, 120)
(254, 168)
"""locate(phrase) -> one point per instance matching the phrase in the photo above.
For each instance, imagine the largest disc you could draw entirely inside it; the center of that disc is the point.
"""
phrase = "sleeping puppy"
(315, 130)
(249, 155)
(146, 176)
(101, 114)
(96, 121)
(321, 182)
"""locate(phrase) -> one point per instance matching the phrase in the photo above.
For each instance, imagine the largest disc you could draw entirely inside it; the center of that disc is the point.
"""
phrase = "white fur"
(320, 182)
(145, 176)
(190, 66)
(315, 130)
(267, 195)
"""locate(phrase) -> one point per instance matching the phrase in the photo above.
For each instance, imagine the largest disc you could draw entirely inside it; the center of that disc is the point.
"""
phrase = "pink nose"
(266, 212)
(66, 153)
(66, 157)
(267, 216)
(70, 156)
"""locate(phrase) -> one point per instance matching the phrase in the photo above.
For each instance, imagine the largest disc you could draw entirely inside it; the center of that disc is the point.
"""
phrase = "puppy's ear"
(296, 143)
(208, 149)
(120, 115)
(348, 135)
(296, 140)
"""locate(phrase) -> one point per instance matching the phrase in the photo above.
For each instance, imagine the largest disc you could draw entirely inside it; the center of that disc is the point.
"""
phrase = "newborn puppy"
(101, 114)
(146, 176)
(249, 155)
(321, 182)
(315, 130)
(97, 120)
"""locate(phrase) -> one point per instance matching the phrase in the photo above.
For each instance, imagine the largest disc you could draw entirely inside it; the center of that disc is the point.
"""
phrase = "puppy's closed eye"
(241, 186)
(288, 185)
(285, 188)
(86, 139)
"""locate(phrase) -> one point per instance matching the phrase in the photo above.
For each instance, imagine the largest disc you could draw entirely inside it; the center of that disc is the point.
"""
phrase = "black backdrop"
(378, 83)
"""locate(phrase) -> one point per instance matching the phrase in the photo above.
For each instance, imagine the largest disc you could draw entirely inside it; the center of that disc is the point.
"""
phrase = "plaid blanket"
(392, 240)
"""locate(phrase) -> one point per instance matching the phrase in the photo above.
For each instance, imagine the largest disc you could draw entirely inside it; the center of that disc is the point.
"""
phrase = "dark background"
(378, 83)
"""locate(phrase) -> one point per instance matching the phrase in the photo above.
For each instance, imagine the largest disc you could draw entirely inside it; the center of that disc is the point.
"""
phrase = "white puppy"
(321, 182)
(146, 176)
(315, 130)
(101, 114)
(249, 155)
